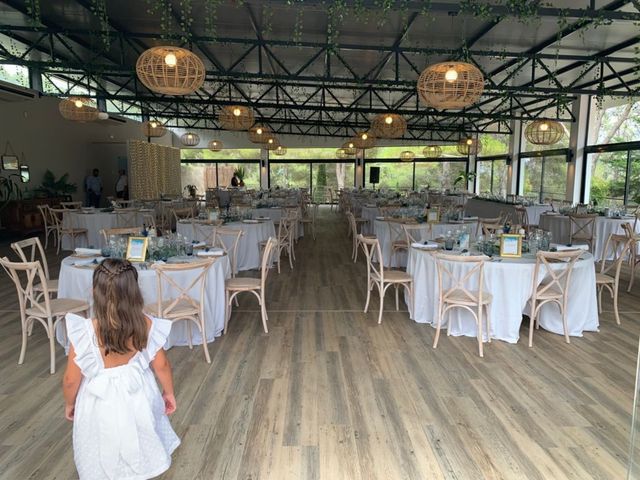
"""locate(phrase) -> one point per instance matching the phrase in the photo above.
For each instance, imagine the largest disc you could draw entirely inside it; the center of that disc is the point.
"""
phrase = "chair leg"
(26, 328)
(531, 323)
(600, 299)
(227, 311)
(564, 325)
(52, 346)
(382, 291)
(488, 313)
(263, 313)
(438, 326)
(190, 335)
(614, 294)
(480, 335)
(397, 298)
(633, 268)
(204, 340)
(366, 305)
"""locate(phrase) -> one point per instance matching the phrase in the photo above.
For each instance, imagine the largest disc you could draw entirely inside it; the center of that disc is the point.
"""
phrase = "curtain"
(154, 170)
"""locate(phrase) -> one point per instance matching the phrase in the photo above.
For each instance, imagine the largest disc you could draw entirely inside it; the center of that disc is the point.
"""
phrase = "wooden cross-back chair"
(37, 305)
(284, 241)
(257, 286)
(398, 239)
(232, 234)
(310, 218)
(488, 225)
(129, 231)
(582, 228)
(48, 224)
(70, 230)
(378, 277)
(417, 232)
(631, 235)
(455, 292)
(126, 217)
(30, 250)
(614, 254)
(175, 303)
(182, 214)
(71, 205)
(354, 231)
(554, 287)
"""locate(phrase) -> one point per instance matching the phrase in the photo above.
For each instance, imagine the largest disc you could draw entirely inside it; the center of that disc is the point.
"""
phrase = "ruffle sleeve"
(160, 330)
(81, 339)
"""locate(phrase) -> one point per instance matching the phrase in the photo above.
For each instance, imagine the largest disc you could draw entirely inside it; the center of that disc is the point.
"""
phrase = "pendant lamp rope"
(450, 85)
(170, 70)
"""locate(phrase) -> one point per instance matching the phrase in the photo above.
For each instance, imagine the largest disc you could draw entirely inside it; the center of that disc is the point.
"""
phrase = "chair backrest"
(352, 223)
(57, 215)
(265, 262)
(71, 205)
(613, 254)
(629, 230)
(582, 226)
(521, 216)
(25, 275)
(46, 216)
(107, 232)
(219, 234)
(558, 278)
(168, 288)
(30, 250)
(126, 217)
(182, 213)
(417, 232)
(488, 224)
(396, 232)
(371, 247)
(455, 287)
(284, 229)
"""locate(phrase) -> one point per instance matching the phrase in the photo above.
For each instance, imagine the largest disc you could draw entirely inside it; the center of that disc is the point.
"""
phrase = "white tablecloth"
(93, 222)
(510, 283)
(489, 209)
(248, 246)
(369, 213)
(560, 228)
(76, 283)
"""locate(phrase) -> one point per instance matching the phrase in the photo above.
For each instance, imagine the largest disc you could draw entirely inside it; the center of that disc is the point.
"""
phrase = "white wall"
(48, 141)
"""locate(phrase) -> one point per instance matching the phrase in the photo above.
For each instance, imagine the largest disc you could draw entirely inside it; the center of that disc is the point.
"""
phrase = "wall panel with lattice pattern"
(154, 170)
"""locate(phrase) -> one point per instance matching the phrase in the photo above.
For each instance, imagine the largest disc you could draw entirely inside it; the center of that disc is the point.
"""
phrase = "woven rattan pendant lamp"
(544, 132)
(407, 156)
(236, 117)
(79, 109)
(432, 151)
(280, 150)
(272, 143)
(341, 154)
(215, 145)
(364, 140)
(153, 129)
(389, 125)
(259, 133)
(170, 70)
(469, 146)
(190, 139)
(450, 85)
(349, 148)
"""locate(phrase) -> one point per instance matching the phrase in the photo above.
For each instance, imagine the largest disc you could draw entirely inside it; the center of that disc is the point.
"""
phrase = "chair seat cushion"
(603, 278)
(394, 276)
(242, 283)
(460, 298)
(60, 306)
(182, 309)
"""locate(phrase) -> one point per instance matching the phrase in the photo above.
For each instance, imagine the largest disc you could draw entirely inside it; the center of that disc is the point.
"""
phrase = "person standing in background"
(94, 188)
(122, 185)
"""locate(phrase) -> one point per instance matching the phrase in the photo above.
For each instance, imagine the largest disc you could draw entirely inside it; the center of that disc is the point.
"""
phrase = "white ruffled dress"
(120, 430)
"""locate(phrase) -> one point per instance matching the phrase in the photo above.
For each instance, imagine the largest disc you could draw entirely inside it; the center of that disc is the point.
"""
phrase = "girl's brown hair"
(117, 305)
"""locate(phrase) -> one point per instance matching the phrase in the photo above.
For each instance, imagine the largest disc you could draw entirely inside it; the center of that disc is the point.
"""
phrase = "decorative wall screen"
(154, 170)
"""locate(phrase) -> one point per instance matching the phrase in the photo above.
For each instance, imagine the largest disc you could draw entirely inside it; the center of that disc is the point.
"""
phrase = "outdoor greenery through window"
(492, 176)
(544, 177)
(212, 175)
(16, 74)
(615, 177)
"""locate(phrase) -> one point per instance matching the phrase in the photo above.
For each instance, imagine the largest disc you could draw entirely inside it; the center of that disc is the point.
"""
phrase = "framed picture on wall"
(10, 162)
(25, 175)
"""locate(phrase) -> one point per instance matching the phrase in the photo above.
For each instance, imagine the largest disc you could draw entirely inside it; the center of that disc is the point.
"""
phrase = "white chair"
(608, 277)
(284, 241)
(257, 286)
(379, 277)
(634, 258)
(310, 218)
(219, 235)
(69, 230)
(582, 229)
(455, 292)
(49, 224)
(175, 303)
(354, 233)
(48, 312)
(398, 238)
(554, 287)
(30, 250)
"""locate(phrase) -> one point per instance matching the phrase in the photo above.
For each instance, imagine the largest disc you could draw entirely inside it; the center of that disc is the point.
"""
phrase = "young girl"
(120, 430)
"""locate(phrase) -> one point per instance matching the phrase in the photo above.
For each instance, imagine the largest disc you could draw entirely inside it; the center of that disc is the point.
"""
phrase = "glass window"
(330, 175)
(16, 74)
(230, 154)
(545, 177)
(494, 144)
(438, 175)
(211, 175)
(289, 175)
(392, 175)
(615, 177)
(617, 121)
(492, 176)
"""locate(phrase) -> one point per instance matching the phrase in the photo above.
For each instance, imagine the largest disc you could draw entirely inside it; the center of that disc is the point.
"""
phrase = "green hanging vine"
(211, 17)
(99, 9)
(33, 10)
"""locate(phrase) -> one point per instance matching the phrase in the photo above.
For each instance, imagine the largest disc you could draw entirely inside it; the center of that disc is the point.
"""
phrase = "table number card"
(510, 246)
(464, 241)
(137, 249)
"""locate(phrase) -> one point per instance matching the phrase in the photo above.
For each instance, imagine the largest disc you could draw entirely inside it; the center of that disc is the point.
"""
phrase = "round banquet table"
(369, 213)
(248, 246)
(560, 228)
(76, 277)
(383, 233)
(93, 222)
(510, 283)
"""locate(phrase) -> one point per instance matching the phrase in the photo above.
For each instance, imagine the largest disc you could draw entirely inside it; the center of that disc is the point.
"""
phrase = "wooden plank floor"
(329, 394)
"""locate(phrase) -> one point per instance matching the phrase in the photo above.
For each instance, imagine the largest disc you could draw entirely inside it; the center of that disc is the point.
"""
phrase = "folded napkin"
(561, 247)
(198, 244)
(425, 246)
(250, 221)
(212, 252)
(87, 251)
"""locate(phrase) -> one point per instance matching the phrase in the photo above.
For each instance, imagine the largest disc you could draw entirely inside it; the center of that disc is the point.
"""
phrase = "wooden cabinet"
(23, 215)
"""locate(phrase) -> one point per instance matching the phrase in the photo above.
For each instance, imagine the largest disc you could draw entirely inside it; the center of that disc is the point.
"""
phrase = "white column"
(577, 142)
(264, 168)
(514, 151)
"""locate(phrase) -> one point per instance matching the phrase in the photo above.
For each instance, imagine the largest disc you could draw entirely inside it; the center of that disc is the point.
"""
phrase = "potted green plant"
(52, 187)
(240, 173)
(464, 176)
(191, 190)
